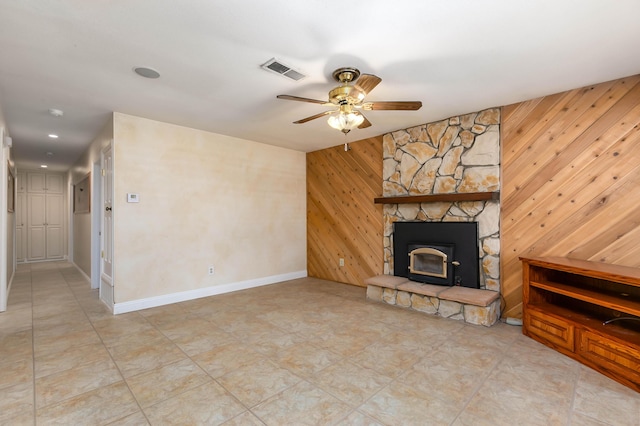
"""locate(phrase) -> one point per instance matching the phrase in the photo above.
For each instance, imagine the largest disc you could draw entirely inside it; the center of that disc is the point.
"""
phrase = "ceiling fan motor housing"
(345, 95)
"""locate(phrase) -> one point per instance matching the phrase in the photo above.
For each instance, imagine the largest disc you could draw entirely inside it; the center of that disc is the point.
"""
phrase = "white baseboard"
(82, 272)
(166, 299)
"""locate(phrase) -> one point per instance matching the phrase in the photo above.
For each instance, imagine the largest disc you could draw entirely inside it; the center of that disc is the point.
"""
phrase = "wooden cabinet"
(589, 311)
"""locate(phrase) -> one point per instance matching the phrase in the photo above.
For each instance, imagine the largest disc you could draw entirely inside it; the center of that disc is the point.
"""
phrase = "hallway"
(306, 351)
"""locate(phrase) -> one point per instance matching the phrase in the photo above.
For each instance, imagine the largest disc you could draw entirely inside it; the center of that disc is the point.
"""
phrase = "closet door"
(54, 226)
(45, 216)
(36, 233)
(21, 218)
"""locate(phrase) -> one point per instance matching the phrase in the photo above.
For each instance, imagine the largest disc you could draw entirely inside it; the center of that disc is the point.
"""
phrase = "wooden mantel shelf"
(468, 196)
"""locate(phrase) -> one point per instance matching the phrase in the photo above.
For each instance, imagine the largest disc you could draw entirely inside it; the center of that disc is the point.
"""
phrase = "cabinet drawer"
(611, 355)
(552, 329)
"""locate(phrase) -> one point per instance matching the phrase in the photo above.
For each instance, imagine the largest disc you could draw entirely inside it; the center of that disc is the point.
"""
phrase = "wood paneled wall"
(342, 220)
(571, 179)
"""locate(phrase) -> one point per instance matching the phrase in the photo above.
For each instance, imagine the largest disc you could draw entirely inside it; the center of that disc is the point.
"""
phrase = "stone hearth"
(474, 306)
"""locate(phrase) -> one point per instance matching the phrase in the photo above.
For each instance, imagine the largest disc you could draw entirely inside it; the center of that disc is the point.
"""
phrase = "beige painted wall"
(82, 222)
(7, 230)
(205, 199)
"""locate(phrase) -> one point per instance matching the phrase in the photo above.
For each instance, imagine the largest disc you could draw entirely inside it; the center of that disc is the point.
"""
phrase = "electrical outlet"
(341, 262)
(211, 270)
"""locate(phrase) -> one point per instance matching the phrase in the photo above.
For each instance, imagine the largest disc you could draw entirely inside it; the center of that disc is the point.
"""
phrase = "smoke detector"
(276, 66)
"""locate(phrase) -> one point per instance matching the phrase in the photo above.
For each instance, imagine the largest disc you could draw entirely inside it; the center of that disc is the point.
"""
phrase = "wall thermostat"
(133, 198)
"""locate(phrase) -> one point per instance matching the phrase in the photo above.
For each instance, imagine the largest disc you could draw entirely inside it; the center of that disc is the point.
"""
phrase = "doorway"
(106, 228)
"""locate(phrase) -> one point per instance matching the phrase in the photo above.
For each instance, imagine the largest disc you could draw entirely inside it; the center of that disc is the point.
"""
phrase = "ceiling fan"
(349, 98)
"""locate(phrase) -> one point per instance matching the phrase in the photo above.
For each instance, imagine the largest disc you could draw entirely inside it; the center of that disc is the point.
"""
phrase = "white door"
(54, 226)
(106, 262)
(21, 226)
(45, 216)
(36, 233)
(21, 217)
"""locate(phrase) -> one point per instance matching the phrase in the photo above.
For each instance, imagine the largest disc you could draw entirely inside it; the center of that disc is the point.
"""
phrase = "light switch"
(133, 198)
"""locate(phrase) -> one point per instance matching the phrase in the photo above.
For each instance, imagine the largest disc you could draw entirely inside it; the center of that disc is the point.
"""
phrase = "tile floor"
(301, 352)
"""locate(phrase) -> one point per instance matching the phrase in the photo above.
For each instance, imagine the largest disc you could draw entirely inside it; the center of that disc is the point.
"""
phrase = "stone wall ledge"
(474, 306)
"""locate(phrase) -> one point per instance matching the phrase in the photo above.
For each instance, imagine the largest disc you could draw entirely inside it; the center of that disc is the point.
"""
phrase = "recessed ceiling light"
(44, 166)
(52, 136)
(146, 72)
(56, 112)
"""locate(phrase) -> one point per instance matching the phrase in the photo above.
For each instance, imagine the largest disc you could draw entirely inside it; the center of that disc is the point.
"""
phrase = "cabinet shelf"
(600, 298)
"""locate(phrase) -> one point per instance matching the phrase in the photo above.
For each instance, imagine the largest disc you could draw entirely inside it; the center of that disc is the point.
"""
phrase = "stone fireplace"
(458, 155)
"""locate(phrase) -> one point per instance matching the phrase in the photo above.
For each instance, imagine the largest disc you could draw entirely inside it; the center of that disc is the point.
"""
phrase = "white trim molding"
(166, 299)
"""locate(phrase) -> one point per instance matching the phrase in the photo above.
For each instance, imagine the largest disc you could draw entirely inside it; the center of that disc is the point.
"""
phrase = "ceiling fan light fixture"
(345, 121)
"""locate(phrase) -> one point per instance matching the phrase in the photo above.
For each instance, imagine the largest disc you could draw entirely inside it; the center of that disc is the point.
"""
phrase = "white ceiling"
(455, 56)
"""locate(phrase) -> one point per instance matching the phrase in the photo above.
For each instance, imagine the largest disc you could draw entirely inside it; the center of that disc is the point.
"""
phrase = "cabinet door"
(54, 184)
(20, 245)
(21, 226)
(36, 182)
(547, 327)
(36, 219)
(21, 182)
(54, 226)
(610, 355)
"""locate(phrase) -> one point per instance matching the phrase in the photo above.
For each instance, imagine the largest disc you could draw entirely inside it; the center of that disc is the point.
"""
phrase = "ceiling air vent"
(278, 67)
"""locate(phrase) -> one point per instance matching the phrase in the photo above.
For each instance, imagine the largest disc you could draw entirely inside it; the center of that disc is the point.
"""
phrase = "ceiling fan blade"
(367, 82)
(313, 117)
(297, 98)
(392, 105)
(366, 123)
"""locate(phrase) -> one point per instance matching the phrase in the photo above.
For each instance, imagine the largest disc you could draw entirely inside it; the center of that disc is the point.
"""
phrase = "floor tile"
(51, 343)
(112, 329)
(301, 404)
(226, 358)
(244, 419)
(349, 382)
(162, 383)
(16, 372)
(16, 346)
(75, 381)
(72, 357)
(256, 382)
(388, 360)
(605, 400)
(135, 419)
(198, 343)
(358, 419)
(305, 359)
(401, 404)
(91, 408)
(208, 404)
(138, 357)
(15, 401)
